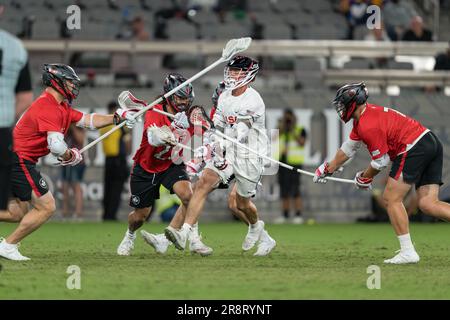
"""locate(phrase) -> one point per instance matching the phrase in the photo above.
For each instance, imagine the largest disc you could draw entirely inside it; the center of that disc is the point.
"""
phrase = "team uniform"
(30, 142)
(246, 166)
(14, 78)
(154, 166)
(415, 151)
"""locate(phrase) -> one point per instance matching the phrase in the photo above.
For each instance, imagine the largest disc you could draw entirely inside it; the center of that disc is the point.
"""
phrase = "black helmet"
(58, 76)
(348, 97)
(217, 92)
(186, 93)
(248, 70)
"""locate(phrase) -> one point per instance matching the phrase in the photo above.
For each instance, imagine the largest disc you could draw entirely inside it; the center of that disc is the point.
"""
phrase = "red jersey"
(155, 159)
(44, 115)
(386, 130)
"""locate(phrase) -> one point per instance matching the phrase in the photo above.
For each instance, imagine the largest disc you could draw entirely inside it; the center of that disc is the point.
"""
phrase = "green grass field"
(309, 262)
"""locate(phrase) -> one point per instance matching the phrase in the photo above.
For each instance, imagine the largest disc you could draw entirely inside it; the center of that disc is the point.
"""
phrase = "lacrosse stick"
(197, 117)
(231, 48)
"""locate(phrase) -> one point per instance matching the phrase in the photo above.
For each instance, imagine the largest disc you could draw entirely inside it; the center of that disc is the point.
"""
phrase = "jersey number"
(1, 61)
(387, 110)
(159, 155)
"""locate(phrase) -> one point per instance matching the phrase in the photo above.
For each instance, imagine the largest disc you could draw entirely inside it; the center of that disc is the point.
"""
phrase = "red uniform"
(385, 130)
(44, 115)
(154, 159)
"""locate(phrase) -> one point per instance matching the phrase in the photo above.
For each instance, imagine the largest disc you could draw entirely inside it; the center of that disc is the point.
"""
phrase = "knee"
(426, 205)
(49, 207)
(185, 197)
(242, 205)
(232, 203)
(139, 214)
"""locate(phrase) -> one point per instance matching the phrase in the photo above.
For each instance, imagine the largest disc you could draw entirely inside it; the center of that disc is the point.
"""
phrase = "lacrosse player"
(41, 131)
(416, 154)
(155, 164)
(240, 113)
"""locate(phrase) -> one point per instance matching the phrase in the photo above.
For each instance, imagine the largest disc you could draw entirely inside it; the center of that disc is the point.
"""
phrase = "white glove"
(363, 183)
(194, 166)
(127, 115)
(180, 121)
(75, 158)
(242, 130)
(158, 136)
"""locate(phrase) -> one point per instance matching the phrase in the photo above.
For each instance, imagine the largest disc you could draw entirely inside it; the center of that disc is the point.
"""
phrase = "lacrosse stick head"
(128, 101)
(235, 46)
(198, 118)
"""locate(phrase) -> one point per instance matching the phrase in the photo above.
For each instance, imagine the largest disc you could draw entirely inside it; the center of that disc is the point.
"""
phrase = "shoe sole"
(203, 254)
(171, 237)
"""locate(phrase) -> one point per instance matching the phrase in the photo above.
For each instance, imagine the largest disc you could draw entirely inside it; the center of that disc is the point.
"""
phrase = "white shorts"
(247, 173)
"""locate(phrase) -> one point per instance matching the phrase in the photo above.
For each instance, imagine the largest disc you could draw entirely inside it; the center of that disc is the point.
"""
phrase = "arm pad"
(380, 163)
(349, 147)
(56, 143)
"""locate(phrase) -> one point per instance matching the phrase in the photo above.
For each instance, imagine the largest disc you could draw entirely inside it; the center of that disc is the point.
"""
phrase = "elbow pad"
(56, 143)
(82, 123)
(349, 147)
(380, 163)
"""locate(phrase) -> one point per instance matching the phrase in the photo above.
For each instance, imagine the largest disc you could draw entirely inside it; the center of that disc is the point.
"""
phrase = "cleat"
(177, 237)
(253, 235)
(266, 244)
(159, 242)
(404, 257)
(197, 246)
(11, 251)
(126, 246)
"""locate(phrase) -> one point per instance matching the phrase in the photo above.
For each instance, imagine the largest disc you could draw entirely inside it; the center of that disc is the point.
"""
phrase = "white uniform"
(246, 166)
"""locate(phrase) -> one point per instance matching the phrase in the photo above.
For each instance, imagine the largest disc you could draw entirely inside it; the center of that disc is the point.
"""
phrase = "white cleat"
(266, 244)
(197, 246)
(404, 257)
(11, 251)
(159, 242)
(126, 246)
(253, 235)
(177, 237)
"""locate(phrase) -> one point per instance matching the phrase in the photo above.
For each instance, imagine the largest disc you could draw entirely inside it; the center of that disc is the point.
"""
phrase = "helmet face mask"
(240, 71)
(63, 79)
(184, 97)
(347, 98)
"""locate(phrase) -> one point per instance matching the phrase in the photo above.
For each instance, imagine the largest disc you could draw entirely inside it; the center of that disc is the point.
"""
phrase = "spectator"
(417, 32)
(138, 29)
(72, 176)
(355, 13)
(443, 60)
(15, 97)
(397, 15)
(378, 35)
(116, 148)
(292, 142)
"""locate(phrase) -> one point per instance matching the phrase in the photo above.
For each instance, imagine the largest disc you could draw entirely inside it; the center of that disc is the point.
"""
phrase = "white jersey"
(13, 58)
(247, 106)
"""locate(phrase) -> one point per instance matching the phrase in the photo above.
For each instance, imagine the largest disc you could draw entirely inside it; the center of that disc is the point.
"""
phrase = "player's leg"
(429, 203)
(16, 211)
(232, 205)
(296, 198)
(393, 196)
(144, 188)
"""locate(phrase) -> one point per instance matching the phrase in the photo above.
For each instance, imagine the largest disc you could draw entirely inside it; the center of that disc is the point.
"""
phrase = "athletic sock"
(131, 234)
(254, 225)
(405, 242)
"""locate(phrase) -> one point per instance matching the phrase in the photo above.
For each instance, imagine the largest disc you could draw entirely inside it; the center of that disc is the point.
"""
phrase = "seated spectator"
(417, 31)
(397, 15)
(355, 12)
(443, 60)
(378, 35)
(138, 29)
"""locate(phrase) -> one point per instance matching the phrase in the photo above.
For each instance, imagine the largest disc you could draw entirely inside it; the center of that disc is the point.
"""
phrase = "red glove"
(363, 183)
(75, 158)
(321, 173)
